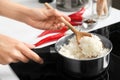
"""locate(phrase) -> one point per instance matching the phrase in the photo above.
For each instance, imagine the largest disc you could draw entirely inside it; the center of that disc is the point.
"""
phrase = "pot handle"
(44, 50)
(45, 54)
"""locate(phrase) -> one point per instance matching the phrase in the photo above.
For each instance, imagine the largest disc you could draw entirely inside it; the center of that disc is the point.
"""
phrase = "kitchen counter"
(6, 73)
(11, 27)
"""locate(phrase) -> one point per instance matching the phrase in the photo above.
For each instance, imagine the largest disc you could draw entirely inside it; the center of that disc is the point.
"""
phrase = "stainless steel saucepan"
(85, 68)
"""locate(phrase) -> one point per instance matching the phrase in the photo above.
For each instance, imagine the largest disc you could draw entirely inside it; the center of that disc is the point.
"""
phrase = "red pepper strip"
(80, 12)
(76, 23)
(77, 18)
(49, 39)
(62, 30)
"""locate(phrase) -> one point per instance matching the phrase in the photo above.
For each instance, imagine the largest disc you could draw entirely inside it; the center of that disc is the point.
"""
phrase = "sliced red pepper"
(62, 30)
(77, 18)
(80, 12)
(49, 39)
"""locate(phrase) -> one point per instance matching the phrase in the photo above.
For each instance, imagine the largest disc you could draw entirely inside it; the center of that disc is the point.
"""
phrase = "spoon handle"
(68, 24)
(48, 6)
(62, 19)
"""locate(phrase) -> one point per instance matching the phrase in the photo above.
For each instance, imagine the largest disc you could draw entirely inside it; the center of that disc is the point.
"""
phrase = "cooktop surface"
(51, 70)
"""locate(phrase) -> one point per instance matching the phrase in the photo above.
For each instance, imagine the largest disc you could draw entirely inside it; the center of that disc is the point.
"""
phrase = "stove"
(51, 70)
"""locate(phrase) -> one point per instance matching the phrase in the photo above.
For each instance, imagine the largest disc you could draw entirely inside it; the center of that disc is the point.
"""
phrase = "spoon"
(77, 33)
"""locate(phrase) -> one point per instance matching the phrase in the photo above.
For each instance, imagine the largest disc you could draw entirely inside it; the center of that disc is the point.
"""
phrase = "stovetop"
(50, 69)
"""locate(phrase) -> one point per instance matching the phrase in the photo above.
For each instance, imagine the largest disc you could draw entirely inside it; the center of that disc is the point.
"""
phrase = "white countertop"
(26, 33)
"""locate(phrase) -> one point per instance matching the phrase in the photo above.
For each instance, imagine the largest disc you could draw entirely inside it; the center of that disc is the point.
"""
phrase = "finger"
(15, 61)
(67, 18)
(20, 57)
(16, 55)
(30, 45)
(30, 54)
(59, 26)
(62, 24)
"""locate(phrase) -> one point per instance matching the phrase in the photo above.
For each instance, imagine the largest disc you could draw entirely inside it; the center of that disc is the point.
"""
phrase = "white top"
(26, 33)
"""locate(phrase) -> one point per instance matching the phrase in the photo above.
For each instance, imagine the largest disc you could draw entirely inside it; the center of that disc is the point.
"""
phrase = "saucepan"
(85, 68)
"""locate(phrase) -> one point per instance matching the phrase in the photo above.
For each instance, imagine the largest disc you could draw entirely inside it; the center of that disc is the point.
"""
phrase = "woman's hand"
(12, 51)
(45, 18)
(40, 18)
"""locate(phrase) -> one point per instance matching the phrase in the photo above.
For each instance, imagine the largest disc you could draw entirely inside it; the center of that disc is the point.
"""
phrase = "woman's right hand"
(12, 51)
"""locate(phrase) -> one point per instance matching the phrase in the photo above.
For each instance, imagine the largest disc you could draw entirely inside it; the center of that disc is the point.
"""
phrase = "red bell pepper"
(49, 39)
(62, 30)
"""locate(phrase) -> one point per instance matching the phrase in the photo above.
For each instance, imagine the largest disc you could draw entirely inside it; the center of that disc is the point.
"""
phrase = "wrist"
(13, 10)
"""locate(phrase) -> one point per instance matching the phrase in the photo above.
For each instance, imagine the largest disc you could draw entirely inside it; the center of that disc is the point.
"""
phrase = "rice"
(89, 47)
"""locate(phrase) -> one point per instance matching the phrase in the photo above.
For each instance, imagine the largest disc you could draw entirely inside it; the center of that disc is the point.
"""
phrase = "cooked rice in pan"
(89, 47)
